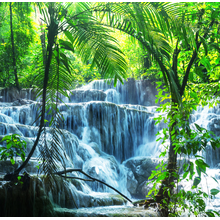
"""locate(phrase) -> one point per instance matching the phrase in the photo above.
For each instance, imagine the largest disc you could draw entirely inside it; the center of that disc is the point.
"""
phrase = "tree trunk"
(52, 32)
(168, 183)
(13, 50)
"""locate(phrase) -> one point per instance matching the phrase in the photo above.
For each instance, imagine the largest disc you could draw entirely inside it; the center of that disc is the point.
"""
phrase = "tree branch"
(94, 179)
(195, 53)
(74, 177)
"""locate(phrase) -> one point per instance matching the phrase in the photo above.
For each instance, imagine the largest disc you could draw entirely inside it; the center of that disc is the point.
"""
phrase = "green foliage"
(174, 44)
(85, 35)
(23, 38)
(188, 141)
(14, 147)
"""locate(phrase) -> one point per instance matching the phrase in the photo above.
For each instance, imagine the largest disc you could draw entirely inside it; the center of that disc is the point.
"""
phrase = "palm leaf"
(93, 41)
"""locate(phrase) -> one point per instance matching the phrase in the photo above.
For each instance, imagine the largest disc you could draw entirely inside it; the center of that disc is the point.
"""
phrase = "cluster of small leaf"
(188, 141)
(14, 147)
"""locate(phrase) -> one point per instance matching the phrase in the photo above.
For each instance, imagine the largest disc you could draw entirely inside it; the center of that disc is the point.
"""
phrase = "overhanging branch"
(94, 179)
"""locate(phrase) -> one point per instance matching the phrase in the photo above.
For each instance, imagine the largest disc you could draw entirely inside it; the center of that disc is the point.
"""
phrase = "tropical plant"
(91, 40)
(14, 147)
(189, 143)
(16, 36)
(175, 35)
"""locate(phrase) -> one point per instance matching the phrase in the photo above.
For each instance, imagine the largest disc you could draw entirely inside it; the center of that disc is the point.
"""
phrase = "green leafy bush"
(14, 147)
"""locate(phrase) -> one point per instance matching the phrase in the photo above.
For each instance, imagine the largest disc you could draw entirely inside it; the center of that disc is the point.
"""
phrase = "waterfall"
(108, 132)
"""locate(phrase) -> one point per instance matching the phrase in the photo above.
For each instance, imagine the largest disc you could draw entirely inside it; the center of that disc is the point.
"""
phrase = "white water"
(100, 134)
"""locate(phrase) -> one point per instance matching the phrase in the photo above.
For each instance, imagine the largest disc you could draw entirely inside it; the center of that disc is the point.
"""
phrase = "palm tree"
(91, 40)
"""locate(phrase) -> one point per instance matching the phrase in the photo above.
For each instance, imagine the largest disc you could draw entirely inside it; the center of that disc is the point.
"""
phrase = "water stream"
(109, 133)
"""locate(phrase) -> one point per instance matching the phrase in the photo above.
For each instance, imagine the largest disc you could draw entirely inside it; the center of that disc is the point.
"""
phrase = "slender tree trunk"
(168, 183)
(13, 49)
(52, 32)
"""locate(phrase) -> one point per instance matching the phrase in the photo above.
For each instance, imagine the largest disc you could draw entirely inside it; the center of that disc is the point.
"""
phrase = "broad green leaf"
(69, 36)
(8, 137)
(66, 45)
(214, 192)
(198, 171)
(196, 181)
(9, 145)
(191, 167)
(206, 63)
(198, 156)
(185, 175)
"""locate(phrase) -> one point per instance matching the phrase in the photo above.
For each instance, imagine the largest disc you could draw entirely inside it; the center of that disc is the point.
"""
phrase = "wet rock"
(142, 167)
(9, 129)
(113, 162)
(145, 188)
(110, 211)
(5, 104)
(10, 94)
(132, 183)
(8, 167)
(19, 201)
(143, 91)
(29, 94)
(20, 102)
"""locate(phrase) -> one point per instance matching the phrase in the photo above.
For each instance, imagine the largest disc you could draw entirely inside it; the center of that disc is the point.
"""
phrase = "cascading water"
(108, 132)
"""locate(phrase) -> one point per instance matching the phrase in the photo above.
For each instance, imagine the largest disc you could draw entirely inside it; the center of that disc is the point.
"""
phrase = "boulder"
(141, 167)
(132, 183)
(85, 151)
(7, 167)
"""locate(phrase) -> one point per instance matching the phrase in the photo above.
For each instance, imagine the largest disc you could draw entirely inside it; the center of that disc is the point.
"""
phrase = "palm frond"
(136, 19)
(93, 41)
(52, 151)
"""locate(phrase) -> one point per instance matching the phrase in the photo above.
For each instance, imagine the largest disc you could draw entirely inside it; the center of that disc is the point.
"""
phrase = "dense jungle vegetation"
(60, 46)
